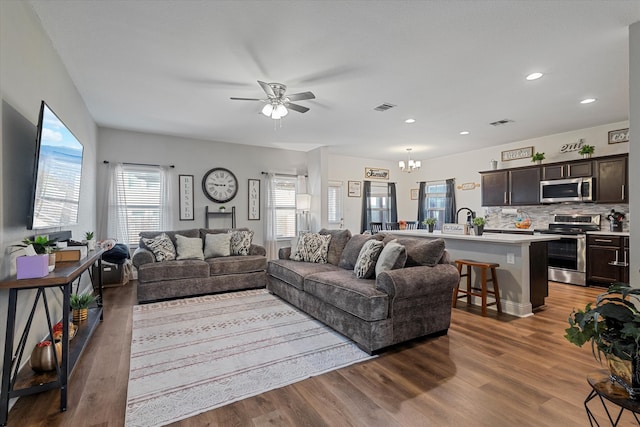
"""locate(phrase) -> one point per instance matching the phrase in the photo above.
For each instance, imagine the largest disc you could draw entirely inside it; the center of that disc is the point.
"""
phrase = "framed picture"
(186, 197)
(414, 193)
(620, 135)
(376, 173)
(518, 153)
(254, 199)
(355, 189)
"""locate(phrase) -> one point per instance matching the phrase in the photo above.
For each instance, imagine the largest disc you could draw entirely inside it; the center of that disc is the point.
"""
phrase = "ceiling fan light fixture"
(281, 110)
(267, 110)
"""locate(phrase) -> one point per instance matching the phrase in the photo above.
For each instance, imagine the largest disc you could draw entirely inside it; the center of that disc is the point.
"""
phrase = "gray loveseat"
(159, 280)
(396, 306)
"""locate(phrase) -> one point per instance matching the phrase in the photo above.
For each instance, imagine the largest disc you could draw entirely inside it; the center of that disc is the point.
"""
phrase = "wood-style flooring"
(493, 371)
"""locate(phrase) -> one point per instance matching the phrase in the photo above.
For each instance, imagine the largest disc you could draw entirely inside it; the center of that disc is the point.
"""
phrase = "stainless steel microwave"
(567, 190)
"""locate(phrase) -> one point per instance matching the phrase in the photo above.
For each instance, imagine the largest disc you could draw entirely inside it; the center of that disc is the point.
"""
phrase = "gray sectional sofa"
(397, 305)
(159, 280)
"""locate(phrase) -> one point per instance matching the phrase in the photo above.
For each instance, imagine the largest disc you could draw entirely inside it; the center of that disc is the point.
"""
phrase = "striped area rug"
(192, 355)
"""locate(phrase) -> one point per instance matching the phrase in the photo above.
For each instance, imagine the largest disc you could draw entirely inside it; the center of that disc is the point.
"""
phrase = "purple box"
(32, 267)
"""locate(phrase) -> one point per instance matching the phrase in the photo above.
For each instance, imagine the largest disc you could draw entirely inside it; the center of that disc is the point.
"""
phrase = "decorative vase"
(478, 229)
(626, 373)
(430, 228)
(586, 156)
(538, 162)
(80, 314)
(42, 357)
(52, 262)
(91, 245)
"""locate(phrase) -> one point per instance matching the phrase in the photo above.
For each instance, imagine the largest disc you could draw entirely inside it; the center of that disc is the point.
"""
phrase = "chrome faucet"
(470, 215)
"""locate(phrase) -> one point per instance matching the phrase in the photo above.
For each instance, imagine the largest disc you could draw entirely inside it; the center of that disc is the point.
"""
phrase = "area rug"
(192, 355)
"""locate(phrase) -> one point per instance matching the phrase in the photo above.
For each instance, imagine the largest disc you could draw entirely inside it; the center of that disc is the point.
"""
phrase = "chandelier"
(410, 165)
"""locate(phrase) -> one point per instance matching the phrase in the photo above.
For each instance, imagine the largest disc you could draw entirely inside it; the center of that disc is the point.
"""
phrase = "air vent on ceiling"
(501, 122)
(384, 107)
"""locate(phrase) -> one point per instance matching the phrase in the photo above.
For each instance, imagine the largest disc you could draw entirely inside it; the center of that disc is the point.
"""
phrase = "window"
(285, 203)
(436, 202)
(334, 203)
(138, 201)
(380, 202)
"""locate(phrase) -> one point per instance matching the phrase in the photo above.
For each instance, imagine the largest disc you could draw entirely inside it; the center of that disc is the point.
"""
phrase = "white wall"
(196, 157)
(634, 152)
(31, 71)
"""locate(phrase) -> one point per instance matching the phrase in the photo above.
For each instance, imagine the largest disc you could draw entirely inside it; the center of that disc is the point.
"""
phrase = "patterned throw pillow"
(189, 247)
(241, 242)
(162, 247)
(366, 262)
(217, 245)
(312, 247)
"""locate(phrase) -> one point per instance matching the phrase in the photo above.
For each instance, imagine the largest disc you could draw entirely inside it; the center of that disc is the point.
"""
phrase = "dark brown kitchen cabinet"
(611, 180)
(511, 187)
(579, 169)
(607, 259)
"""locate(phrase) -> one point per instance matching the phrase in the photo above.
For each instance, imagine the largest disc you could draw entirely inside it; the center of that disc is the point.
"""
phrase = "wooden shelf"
(209, 214)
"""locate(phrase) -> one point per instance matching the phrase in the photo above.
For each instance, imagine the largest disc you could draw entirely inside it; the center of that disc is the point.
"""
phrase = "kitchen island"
(522, 275)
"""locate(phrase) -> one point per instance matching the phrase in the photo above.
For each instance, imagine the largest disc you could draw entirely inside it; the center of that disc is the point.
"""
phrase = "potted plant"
(537, 158)
(80, 306)
(612, 327)
(91, 243)
(430, 222)
(587, 150)
(42, 245)
(222, 209)
(478, 225)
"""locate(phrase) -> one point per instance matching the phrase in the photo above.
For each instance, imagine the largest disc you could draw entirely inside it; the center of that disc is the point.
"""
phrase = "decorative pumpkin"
(42, 357)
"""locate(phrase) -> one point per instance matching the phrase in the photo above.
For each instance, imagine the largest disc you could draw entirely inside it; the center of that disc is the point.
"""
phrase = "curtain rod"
(436, 180)
(106, 162)
(282, 174)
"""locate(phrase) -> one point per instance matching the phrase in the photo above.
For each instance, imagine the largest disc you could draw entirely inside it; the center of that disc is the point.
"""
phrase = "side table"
(607, 390)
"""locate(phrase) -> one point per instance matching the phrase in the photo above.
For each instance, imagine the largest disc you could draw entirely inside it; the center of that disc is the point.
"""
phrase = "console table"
(21, 382)
(605, 389)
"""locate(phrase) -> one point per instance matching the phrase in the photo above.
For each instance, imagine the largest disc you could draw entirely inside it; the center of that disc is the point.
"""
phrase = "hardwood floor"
(493, 371)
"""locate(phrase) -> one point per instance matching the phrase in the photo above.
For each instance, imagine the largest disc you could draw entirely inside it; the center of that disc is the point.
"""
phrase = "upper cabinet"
(612, 179)
(511, 187)
(578, 169)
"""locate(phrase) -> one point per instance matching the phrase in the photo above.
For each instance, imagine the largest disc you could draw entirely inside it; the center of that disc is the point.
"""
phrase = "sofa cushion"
(393, 256)
(420, 251)
(294, 272)
(189, 247)
(192, 232)
(352, 250)
(217, 245)
(366, 263)
(339, 239)
(312, 247)
(161, 246)
(236, 264)
(172, 270)
(241, 242)
(342, 289)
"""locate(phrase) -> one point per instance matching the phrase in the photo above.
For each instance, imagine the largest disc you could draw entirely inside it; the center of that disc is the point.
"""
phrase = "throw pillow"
(161, 246)
(189, 247)
(241, 242)
(366, 263)
(339, 239)
(393, 256)
(351, 250)
(312, 247)
(217, 245)
(425, 252)
(294, 248)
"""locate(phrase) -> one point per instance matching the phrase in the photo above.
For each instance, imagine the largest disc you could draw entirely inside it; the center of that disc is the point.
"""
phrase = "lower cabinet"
(607, 259)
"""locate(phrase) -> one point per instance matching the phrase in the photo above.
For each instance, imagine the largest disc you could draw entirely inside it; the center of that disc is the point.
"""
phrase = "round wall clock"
(220, 185)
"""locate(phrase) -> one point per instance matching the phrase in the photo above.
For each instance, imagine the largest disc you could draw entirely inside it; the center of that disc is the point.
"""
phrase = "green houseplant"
(538, 157)
(587, 150)
(478, 225)
(91, 243)
(612, 327)
(43, 246)
(80, 306)
(430, 223)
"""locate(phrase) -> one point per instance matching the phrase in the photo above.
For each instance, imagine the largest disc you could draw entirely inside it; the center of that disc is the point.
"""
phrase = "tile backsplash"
(542, 215)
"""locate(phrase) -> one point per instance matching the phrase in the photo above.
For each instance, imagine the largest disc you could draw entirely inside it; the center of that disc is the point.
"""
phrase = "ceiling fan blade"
(245, 99)
(301, 96)
(267, 89)
(296, 107)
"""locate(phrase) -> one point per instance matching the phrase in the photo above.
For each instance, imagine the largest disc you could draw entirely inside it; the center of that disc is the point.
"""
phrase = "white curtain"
(117, 224)
(270, 229)
(166, 198)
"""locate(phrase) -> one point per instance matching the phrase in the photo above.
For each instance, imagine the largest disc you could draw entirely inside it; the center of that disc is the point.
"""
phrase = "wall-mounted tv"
(57, 173)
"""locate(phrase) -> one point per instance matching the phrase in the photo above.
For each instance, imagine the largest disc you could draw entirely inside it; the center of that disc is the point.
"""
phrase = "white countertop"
(505, 238)
(609, 233)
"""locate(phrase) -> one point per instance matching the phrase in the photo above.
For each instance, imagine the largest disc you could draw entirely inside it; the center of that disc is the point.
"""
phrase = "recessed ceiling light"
(588, 100)
(464, 132)
(410, 121)
(534, 76)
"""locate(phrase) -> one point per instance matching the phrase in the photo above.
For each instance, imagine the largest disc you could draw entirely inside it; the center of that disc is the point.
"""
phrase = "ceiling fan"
(277, 102)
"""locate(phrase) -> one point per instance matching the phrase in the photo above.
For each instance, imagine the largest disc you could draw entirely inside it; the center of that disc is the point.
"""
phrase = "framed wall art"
(355, 189)
(254, 199)
(414, 193)
(376, 173)
(518, 153)
(186, 197)
(617, 136)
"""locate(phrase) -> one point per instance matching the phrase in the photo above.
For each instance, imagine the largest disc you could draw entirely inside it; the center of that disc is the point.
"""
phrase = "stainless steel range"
(568, 256)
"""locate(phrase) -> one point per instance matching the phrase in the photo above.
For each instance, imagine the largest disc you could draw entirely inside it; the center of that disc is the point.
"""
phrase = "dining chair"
(375, 227)
(411, 225)
(392, 226)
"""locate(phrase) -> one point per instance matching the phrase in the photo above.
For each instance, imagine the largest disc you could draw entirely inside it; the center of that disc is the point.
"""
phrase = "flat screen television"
(57, 173)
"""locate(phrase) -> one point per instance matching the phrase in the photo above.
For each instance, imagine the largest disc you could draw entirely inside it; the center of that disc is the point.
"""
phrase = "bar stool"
(482, 291)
